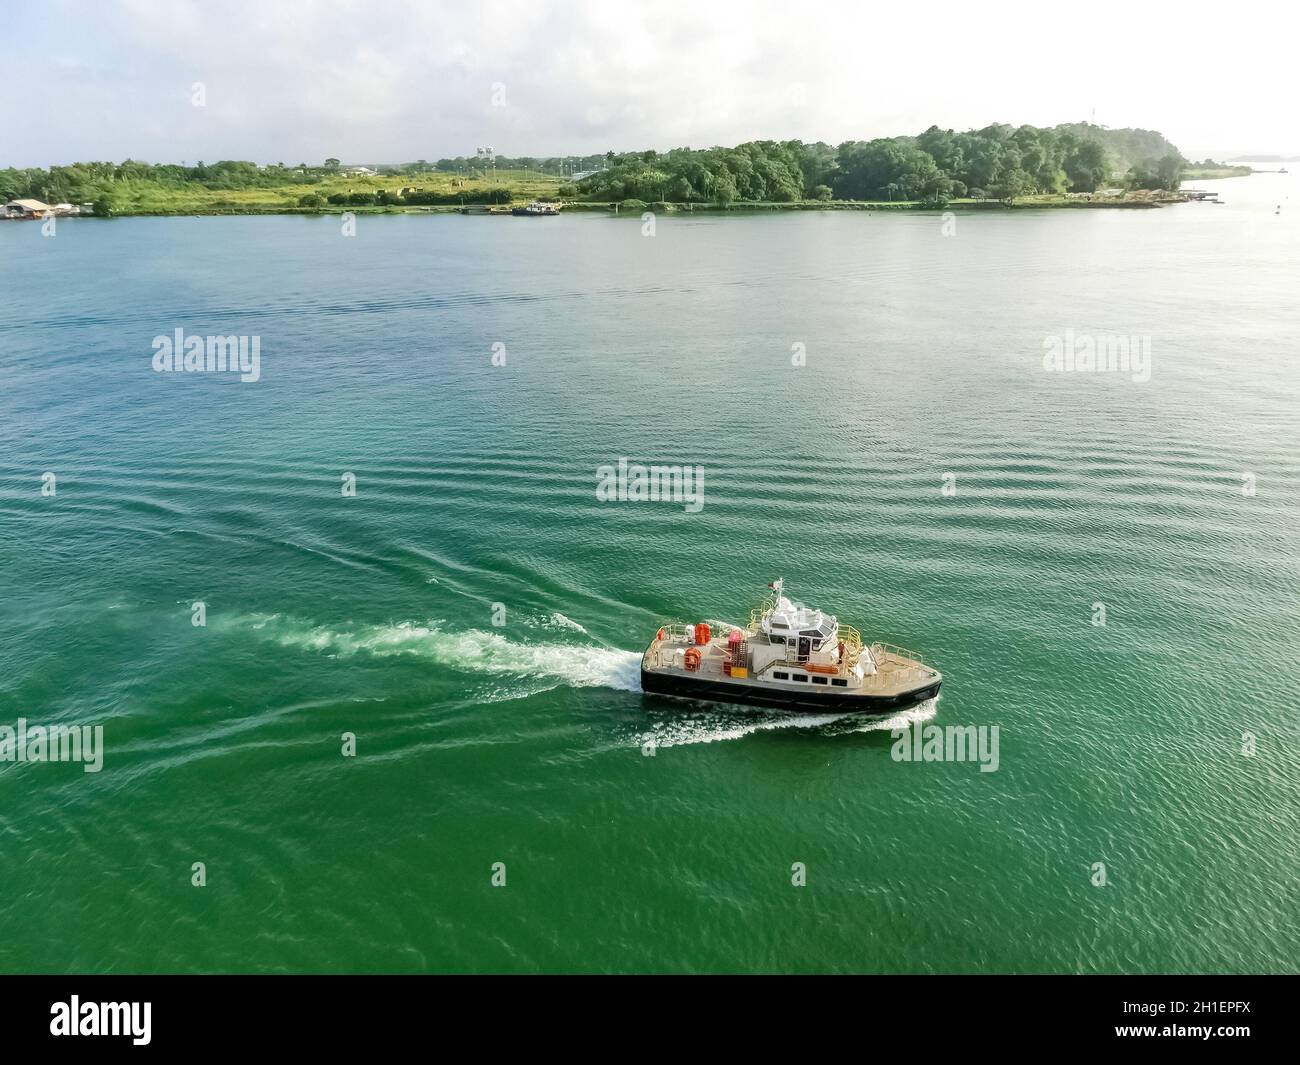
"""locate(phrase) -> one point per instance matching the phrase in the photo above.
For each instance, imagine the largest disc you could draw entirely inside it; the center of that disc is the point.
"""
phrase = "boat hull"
(825, 701)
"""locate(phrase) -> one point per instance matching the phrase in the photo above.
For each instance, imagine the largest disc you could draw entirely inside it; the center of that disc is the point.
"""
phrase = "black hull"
(826, 701)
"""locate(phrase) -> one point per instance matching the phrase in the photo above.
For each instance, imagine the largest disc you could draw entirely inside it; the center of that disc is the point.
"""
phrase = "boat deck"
(896, 671)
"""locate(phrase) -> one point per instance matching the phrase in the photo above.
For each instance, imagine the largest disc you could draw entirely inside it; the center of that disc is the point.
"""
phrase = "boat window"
(780, 676)
(799, 676)
(777, 639)
(839, 682)
(819, 680)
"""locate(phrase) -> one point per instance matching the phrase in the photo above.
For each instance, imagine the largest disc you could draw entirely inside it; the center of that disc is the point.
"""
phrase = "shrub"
(421, 198)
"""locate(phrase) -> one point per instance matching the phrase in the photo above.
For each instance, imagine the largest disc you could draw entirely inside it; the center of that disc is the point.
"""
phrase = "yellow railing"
(883, 652)
(756, 615)
(852, 640)
(879, 649)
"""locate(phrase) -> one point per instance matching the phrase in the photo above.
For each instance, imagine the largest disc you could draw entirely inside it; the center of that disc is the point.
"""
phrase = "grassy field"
(1205, 173)
(145, 197)
(148, 197)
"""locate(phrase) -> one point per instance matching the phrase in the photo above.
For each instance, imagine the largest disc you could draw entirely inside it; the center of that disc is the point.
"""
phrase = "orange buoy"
(661, 635)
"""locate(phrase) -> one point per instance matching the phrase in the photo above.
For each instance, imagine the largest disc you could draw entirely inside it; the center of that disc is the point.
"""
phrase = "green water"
(640, 834)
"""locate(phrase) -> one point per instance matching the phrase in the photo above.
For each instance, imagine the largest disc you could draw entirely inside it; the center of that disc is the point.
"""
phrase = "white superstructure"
(789, 652)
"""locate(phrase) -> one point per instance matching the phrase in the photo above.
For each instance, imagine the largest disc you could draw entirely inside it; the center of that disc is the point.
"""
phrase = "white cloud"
(394, 80)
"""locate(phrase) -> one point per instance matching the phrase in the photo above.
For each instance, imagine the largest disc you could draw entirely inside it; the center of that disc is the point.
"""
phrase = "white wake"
(722, 723)
(470, 650)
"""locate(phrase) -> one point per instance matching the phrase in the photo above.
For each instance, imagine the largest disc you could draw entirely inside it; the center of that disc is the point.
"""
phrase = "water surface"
(526, 743)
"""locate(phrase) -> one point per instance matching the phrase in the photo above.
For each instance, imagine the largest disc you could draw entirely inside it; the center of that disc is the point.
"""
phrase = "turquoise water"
(640, 834)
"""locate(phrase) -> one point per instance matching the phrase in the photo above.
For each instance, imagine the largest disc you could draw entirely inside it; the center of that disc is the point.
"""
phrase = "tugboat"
(790, 657)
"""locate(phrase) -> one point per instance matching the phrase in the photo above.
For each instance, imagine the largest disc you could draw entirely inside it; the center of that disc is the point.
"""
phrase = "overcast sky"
(399, 80)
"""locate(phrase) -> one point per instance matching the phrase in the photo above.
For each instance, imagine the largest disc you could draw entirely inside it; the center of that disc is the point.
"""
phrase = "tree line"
(999, 162)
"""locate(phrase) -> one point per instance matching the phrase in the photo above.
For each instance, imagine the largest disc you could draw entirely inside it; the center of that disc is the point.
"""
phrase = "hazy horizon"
(424, 81)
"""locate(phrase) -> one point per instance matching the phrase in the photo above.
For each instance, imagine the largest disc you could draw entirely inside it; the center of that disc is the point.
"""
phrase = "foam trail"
(722, 724)
(921, 712)
(559, 621)
(466, 650)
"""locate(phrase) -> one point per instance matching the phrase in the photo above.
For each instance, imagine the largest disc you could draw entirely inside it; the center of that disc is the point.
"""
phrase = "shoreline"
(234, 189)
(636, 209)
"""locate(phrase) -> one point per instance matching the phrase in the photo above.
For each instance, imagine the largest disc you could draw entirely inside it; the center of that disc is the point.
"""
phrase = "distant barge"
(537, 209)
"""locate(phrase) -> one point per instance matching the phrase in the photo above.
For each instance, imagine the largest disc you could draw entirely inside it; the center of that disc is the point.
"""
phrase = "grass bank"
(151, 198)
(1209, 173)
(131, 198)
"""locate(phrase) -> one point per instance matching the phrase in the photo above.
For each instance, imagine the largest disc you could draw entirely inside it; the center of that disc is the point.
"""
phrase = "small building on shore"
(25, 209)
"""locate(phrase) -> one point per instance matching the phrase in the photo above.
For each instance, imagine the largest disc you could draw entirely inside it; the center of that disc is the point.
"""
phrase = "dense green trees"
(770, 171)
(1165, 173)
(1007, 162)
(560, 166)
(1002, 161)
